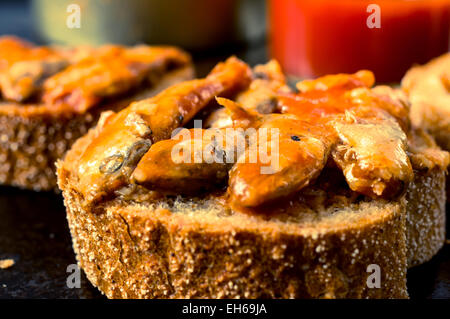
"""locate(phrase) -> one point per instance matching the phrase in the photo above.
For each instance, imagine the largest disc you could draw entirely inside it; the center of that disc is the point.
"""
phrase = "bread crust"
(425, 221)
(426, 197)
(34, 137)
(134, 251)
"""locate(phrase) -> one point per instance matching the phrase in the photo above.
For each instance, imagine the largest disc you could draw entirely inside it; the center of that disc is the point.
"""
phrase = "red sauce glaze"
(314, 104)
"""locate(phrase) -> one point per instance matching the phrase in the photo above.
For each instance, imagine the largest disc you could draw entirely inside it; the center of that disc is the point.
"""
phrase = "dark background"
(33, 226)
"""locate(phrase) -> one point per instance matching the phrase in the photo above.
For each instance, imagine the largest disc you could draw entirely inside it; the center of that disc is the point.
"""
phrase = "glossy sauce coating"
(193, 161)
(343, 117)
(370, 145)
(152, 120)
(336, 120)
(111, 71)
(78, 79)
(23, 67)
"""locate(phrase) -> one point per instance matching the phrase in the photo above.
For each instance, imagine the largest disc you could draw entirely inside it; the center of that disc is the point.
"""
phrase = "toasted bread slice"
(426, 197)
(194, 248)
(428, 89)
(192, 226)
(328, 240)
(44, 111)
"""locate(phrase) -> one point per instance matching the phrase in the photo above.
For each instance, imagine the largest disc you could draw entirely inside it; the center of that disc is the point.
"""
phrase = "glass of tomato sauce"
(311, 38)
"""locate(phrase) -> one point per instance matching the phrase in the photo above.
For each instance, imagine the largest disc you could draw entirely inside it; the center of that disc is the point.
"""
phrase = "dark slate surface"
(33, 227)
(34, 233)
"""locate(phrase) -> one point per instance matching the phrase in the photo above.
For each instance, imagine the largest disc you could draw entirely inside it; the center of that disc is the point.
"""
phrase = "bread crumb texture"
(425, 222)
(6, 263)
(30, 145)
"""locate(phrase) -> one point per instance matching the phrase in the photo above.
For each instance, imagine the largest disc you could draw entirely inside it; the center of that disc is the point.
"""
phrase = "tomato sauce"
(313, 38)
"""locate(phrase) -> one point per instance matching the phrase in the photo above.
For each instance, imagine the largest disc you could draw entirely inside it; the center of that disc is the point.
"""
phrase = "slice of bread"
(327, 242)
(104, 237)
(194, 248)
(122, 247)
(35, 133)
(428, 89)
(426, 197)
